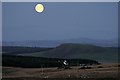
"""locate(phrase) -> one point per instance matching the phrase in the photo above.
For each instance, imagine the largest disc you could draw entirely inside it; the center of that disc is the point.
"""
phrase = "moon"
(39, 8)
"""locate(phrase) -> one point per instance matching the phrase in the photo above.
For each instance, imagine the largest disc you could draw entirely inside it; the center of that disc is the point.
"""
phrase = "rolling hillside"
(85, 51)
(55, 43)
(12, 50)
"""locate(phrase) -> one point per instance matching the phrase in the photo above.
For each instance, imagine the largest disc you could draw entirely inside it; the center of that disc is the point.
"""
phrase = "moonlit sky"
(59, 21)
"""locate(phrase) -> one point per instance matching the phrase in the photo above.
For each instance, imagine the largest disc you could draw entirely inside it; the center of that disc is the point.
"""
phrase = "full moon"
(39, 8)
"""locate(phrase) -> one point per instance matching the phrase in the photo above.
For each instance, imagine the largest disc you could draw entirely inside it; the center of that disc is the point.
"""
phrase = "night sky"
(59, 21)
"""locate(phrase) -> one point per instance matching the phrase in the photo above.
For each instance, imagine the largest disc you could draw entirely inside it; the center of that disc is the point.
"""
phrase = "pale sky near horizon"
(59, 21)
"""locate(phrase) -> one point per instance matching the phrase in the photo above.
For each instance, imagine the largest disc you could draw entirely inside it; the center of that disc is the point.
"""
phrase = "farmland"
(97, 71)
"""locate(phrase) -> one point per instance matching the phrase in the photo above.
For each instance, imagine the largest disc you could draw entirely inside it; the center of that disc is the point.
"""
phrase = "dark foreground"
(104, 71)
(60, 79)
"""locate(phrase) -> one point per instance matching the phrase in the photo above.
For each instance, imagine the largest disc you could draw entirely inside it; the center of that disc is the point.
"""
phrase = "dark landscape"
(37, 62)
(60, 40)
(67, 51)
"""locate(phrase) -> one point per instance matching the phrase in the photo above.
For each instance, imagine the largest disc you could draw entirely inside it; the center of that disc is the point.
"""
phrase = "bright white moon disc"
(39, 8)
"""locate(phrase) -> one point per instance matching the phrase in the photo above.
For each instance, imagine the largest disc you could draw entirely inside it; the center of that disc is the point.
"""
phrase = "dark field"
(98, 71)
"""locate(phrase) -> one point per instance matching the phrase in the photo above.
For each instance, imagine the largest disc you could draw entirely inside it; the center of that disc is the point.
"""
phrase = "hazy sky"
(59, 21)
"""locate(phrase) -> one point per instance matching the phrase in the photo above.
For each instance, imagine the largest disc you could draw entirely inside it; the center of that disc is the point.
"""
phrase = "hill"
(74, 50)
(12, 50)
(55, 43)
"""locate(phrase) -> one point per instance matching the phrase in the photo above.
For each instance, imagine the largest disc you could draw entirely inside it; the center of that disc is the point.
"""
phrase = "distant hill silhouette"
(12, 50)
(74, 50)
(55, 43)
(68, 51)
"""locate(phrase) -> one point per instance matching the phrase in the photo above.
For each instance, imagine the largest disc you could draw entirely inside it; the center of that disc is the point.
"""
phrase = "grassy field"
(98, 71)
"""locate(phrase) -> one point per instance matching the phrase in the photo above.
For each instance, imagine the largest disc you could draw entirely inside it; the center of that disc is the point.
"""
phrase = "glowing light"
(39, 8)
